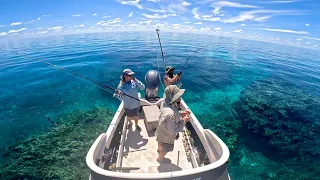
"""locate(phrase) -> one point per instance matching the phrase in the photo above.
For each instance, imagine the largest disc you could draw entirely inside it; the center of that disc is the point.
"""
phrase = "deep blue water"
(213, 78)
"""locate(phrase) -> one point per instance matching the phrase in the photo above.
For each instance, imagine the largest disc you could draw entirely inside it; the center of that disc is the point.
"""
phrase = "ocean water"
(215, 78)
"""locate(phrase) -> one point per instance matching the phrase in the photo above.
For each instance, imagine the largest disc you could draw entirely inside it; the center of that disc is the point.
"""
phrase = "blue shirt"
(131, 88)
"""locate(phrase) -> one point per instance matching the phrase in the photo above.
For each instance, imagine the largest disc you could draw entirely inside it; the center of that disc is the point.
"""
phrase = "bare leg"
(136, 118)
(159, 147)
(161, 156)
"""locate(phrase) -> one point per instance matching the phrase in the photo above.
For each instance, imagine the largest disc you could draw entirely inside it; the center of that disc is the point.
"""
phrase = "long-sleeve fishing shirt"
(170, 123)
(131, 88)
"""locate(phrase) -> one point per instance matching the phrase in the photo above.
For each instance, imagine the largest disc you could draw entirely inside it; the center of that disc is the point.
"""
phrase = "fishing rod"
(178, 82)
(96, 83)
(164, 62)
(190, 57)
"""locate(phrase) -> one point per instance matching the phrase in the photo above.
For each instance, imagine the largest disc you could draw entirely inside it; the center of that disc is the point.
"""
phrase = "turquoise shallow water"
(214, 79)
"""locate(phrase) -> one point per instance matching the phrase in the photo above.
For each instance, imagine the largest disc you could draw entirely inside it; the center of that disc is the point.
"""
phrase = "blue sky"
(294, 22)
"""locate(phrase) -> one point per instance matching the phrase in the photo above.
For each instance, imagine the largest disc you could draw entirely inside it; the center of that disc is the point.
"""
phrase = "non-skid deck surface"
(140, 150)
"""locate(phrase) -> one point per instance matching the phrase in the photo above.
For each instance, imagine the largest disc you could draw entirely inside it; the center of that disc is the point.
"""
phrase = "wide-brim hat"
(172, 93)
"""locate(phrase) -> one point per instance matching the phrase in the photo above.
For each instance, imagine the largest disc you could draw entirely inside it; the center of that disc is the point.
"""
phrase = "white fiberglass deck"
(140, 150)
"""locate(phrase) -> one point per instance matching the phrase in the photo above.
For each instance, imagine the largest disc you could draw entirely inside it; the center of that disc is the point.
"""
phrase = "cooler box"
(151, 116)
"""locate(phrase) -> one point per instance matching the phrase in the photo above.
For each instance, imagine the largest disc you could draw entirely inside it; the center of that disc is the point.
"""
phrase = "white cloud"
(198, 23)
(185, 3)
(38, 19)
(76, 15)
(299, 39)
(217, 28)
(81, 25)
(281, 2)
(42, 32)
(315, 46)
(3, 34)
(154, 0)
(187, 22)
(94, 14)
(56, 28)
(39, 28)
(106, 23)
(307, 25)
(307, 42)
(15, 23)
(16, 31)
(306, 37)
(155, 16)
(133, 3)
(101, 22)
(257, 15)
(233, 4)
(130, 14)
(196, 15)
(46, 15)
(237, 31)
(204, 29)
(243, 25)
(284, 31)
(157, 10)
(106, 17)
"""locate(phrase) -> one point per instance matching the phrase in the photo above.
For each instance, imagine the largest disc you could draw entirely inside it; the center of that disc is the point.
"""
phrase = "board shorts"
(167, 147)
(131, 112)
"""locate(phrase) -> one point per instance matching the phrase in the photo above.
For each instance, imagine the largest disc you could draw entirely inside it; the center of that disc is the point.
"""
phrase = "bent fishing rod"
(96, 83)
(164, 62)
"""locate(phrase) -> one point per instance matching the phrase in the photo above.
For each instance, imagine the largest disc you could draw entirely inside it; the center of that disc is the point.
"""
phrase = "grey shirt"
(170, 123)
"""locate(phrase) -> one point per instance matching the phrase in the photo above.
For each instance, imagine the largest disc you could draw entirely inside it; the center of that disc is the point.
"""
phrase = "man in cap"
(171, 122)
(169, 78)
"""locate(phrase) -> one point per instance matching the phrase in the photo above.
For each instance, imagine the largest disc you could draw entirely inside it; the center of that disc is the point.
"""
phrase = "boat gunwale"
(103, 139)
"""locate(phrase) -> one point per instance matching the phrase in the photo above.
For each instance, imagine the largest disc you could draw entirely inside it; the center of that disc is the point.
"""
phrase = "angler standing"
(129, 85)
(169, 78)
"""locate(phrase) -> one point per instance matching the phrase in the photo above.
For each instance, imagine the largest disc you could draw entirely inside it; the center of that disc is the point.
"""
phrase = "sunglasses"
(129, 75)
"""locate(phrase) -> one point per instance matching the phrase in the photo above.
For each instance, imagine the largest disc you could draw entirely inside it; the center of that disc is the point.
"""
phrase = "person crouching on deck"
(171, 122)
(129, 85)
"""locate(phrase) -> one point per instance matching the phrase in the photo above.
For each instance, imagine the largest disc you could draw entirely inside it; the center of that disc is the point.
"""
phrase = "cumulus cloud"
(130, 14)
(16, 31)
(76, 15)
(94, 14)
(315, 46)
(187, 22)
(106, 17)
(185, 3)
(217, 28)
(106, 23)
(15, 23)
(38, 19)
(307, 25)
(3, 34)
(56, 28)
(243, 25)
(237, 31)
(284, 31)
(81, 25)
(307, 42)
(133, 3)
(157, 10)
(39, 28)
(198, 23)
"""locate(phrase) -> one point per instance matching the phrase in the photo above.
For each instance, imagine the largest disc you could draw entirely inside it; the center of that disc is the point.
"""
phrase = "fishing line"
(96, 83)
